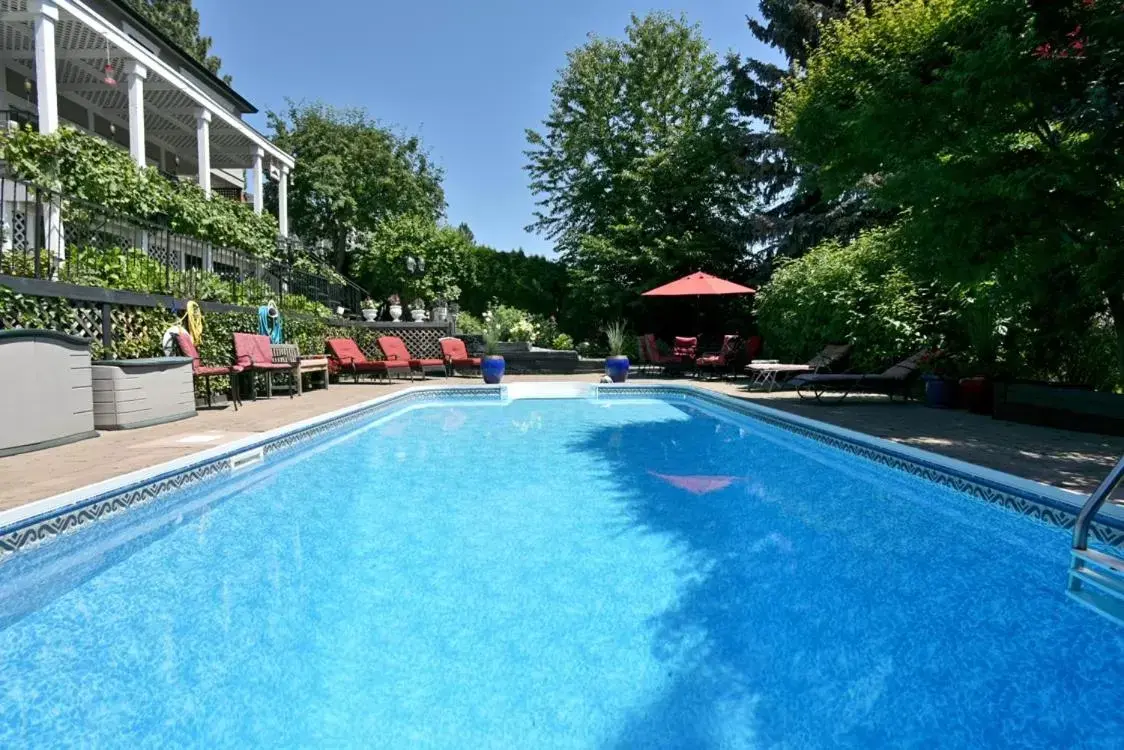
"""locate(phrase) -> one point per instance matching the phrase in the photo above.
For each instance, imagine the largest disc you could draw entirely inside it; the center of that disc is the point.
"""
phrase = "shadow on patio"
(1074, 461)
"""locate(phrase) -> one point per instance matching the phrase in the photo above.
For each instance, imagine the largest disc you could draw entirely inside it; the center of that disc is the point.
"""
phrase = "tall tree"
(351, 174)
(993, 128)
(180, 21)
(794, 215)
(634, 170)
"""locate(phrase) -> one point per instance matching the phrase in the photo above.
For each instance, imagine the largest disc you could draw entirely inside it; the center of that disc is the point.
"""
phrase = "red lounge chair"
(658, 359)
(725, 358)
(253, 352)
(344, 355)
(456, 355)
(395, 351)
(686, 347)
(200, 370)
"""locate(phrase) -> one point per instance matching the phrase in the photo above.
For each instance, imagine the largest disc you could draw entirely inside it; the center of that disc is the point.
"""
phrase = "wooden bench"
(290, 354)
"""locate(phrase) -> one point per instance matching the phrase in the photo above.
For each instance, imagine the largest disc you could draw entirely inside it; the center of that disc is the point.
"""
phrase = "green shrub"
(300, 304)
(562, 341)
(857, 293)
(469, 323)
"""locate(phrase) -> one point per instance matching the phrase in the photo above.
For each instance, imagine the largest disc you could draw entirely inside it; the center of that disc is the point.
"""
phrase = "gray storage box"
(141, 392)
(45, 394)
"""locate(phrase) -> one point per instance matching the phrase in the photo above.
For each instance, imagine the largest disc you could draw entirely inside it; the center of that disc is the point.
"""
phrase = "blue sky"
(467, 75)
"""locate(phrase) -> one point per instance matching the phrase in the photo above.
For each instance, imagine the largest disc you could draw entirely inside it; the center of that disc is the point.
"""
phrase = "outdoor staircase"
(1096, 579)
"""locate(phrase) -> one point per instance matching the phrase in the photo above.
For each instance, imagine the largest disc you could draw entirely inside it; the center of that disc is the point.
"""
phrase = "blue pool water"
(542, 574)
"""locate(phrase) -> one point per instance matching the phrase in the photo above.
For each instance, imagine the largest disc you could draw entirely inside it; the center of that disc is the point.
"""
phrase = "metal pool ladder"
(1096, 579)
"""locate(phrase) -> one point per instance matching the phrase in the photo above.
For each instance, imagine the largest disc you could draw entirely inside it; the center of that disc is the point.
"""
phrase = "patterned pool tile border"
(1046, 504)
(47, 519)
(37, 522)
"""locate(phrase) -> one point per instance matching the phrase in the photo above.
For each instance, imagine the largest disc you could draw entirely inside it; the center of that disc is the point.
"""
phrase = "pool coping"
(40, 520)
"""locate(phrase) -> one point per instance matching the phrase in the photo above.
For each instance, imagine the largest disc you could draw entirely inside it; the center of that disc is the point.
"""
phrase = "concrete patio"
(1071, 460)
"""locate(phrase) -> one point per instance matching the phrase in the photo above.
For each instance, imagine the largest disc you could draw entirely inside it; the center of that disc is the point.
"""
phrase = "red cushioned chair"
(395, 351)
(253, 352)
(456, 355)
(344, 355)
(656, 358)
(724, 359)
(200, 370)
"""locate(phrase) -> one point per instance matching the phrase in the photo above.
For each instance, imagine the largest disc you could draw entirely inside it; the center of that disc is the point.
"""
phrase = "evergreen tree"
(796, 216)
(180, 21)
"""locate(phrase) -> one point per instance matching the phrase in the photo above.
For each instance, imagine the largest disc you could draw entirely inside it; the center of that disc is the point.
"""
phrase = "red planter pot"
(976, 395)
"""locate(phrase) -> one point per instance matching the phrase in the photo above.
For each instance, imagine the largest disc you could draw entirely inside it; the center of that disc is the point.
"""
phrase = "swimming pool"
(634, 572)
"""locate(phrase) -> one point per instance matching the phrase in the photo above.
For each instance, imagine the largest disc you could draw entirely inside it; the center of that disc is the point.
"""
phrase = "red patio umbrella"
(696, 285)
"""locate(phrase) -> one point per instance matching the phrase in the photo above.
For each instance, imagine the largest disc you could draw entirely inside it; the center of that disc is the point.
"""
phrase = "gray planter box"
(46, 398)
(132, 393)
(1065, 407)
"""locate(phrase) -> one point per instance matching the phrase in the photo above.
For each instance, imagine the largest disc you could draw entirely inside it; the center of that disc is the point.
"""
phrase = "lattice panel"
(165, 255)
(420, 342)
(19, 231)
(68, 316)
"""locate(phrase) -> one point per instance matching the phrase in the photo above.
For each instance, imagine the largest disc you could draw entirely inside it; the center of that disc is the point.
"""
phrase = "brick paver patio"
(1072, 460)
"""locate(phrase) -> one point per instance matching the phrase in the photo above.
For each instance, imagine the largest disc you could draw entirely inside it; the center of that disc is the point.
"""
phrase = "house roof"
(197, 68)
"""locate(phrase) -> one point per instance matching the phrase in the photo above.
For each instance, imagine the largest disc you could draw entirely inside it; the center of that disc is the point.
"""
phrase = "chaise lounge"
(895, 381)
(344, 355)
(456, 355)
(395, 351)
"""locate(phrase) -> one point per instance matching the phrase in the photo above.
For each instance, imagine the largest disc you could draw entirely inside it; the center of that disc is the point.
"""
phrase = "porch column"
(259, 198)
(47, 96)
(135, 74)
(203, 144)
(46, 79)
(283, 202)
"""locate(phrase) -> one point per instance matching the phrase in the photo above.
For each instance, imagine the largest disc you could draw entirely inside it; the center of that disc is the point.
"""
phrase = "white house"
(101, 67)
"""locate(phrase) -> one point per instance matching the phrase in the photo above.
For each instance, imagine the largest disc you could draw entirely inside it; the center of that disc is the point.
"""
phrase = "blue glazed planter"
(939, 392)
(492, 367)
(617, 368)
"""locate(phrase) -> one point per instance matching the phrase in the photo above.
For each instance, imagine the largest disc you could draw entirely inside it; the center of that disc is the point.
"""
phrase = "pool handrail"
(1093, 505)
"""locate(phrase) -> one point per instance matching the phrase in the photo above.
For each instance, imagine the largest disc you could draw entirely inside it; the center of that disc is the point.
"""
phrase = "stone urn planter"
(417, 314)
(395, 312)
(492, 368)
(370, 314)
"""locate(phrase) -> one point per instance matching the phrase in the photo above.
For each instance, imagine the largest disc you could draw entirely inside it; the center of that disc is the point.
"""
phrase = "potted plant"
(417, 310)
(395, 307)
(616, 364)
(440, 312)
(492, 365)
(369, 309)
(938, 371)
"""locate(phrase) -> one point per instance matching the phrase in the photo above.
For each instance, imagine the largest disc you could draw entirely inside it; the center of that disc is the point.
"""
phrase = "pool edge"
(40, 520)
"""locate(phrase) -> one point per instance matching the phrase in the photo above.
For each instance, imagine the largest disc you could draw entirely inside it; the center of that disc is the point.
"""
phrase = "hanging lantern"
(108, 79)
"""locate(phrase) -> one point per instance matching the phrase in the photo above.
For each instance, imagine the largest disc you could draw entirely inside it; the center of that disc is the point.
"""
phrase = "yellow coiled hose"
(193, 321)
